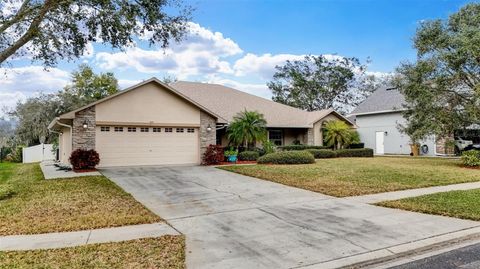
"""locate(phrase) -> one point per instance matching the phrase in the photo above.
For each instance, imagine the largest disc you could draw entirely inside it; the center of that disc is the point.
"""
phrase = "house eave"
(377, 112)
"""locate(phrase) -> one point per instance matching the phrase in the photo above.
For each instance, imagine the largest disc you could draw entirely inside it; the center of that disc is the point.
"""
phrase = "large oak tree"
(321, 82)
(442, 88)
(49, 30)
(34, 115)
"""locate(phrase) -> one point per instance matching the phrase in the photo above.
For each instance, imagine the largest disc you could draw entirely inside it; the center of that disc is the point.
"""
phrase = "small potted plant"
(231, 155)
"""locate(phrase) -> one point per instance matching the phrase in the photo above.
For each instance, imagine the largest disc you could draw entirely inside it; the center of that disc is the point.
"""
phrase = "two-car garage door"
(133, 145)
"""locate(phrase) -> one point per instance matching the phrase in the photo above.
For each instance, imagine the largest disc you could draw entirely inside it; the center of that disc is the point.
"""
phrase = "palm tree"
(246, 128)
(337, 133)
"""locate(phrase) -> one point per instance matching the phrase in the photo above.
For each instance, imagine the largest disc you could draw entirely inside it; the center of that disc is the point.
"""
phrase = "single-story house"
(377, 119)
(152, 123)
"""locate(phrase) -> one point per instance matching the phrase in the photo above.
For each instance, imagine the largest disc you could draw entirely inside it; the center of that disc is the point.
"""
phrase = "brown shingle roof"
(227, 102)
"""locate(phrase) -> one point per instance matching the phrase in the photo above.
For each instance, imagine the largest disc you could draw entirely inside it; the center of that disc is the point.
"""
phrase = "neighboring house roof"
(227, 102)
(224, 103)
(384, 100)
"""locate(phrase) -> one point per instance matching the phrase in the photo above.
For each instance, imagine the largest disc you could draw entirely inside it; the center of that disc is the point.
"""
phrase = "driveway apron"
(235, 221)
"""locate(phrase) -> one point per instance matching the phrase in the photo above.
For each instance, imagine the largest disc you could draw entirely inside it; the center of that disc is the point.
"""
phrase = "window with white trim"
(132, 129)
(156, 129)
(276, 137)
(190, 130)
(118, 129)
(105, 129)
(179, 130)
(144, 129)
(168, 130)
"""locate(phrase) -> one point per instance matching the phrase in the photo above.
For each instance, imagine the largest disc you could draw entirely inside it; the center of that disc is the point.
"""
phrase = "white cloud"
(8, 100)
(31, 79)
(252, 88)
(125, 83)
(263, 66)
(16, 84)
(200, 53)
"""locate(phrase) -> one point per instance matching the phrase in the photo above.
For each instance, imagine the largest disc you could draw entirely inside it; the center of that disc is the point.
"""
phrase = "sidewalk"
(78, 238)
(50, 171)
(395, 195)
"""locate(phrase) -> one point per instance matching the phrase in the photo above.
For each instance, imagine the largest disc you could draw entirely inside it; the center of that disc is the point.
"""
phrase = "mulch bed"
(84, 170)
(237, 162)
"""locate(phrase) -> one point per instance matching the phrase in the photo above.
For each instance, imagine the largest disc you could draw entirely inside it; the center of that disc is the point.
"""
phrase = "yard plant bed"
(35, 205)
(458, 204)
(163, 252)
(358, 176)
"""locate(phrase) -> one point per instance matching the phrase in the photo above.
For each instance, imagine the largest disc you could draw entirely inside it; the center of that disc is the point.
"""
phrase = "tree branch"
(31, 32)
(23, 11)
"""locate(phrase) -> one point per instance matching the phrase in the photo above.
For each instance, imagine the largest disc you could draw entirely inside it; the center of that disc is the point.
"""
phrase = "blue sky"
(238, 43)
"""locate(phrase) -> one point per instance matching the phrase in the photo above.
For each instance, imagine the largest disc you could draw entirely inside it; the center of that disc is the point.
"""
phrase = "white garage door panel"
(147, 148)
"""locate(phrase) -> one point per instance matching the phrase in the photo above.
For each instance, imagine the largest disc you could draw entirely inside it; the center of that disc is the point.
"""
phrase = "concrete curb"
(402, 251)
(396, 195)
(78, 238)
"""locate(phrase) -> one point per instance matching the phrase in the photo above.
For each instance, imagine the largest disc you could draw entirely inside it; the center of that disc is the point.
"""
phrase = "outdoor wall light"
(209, 128)
(386, 133)
(85, 124)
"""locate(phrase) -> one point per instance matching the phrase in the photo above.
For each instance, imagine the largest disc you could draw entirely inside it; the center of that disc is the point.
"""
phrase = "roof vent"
(391, 89)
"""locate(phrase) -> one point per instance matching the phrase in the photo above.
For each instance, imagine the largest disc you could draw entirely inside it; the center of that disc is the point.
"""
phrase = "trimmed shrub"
(322, 153)
(471, 158)
(356, 146)
(248, 156)
(82, 159)
(366, 152)
(269, 147)
(260, 151)
(213, 155)
(302, 147)
(287, 157)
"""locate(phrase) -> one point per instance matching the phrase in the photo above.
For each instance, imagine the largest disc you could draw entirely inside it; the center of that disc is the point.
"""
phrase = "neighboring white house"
(378, 118)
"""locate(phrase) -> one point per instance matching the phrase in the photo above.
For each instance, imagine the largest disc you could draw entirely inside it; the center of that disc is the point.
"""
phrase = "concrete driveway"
(234, 221)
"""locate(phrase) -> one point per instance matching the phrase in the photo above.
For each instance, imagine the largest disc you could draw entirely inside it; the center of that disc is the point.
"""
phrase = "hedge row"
(327, 153)
(287, 157)
(301, 147)
(322, 153)
(365, 152)
(248, 155)
(471, 158)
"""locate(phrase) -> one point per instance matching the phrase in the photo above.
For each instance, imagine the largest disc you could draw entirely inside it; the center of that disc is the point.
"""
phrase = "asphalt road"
(463, 258)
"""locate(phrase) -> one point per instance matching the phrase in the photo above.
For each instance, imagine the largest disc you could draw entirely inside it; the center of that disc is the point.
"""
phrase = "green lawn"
(358, 176)
(163, 252)
(30, 204)
(458, 204)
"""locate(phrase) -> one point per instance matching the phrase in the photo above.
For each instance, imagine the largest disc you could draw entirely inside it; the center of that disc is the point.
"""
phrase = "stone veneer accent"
(442, 148)
(84, 138)
(207, 138)
(310, 140)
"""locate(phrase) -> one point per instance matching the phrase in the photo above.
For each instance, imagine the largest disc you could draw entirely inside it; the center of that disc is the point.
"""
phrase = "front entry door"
(379, 146)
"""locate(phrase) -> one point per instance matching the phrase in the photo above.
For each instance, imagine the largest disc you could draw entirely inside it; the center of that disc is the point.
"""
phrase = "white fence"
(38, 153)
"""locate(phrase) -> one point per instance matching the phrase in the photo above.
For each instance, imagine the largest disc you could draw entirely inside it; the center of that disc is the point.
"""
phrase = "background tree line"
(31, 118)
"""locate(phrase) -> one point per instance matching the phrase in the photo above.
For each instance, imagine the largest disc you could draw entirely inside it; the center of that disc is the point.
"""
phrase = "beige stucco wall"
(65, 145)
(149, 104)
(317, 129)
